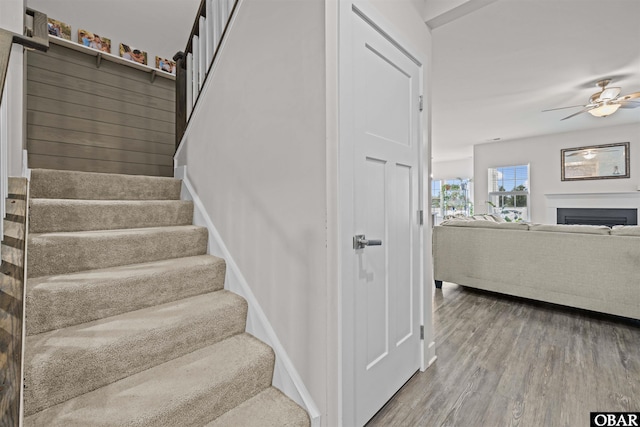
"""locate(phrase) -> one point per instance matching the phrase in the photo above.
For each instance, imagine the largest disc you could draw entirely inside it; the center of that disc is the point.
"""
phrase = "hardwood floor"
(504, 361)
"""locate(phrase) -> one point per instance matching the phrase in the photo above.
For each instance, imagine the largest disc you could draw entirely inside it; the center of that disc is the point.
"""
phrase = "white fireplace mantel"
(624, 200)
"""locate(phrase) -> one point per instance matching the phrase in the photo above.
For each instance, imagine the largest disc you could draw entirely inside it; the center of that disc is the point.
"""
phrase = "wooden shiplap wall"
(110, 118)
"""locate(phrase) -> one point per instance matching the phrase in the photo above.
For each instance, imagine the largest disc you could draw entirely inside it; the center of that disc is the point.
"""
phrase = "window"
(451, 197)
(435, 196)
(509, 192)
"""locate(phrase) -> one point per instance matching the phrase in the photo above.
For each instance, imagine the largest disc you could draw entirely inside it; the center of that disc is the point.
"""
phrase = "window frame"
(515, 193)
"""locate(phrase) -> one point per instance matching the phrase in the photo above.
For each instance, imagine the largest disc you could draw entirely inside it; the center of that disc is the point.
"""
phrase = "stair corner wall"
(285, 376)
(255, 151)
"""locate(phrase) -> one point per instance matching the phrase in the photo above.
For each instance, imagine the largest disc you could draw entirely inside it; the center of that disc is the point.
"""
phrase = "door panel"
(386, 86)
(374, 273)
(402, 248)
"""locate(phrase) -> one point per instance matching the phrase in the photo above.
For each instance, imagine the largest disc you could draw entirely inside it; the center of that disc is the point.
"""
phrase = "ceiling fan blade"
(609, 93)
(628, 97)
(584, 110)
(562, 108)
(628, 104)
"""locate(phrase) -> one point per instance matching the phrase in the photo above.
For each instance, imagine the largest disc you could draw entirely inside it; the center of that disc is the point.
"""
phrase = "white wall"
(543, 155)
(255, 153)
(452, 169)
(159, 27)
(12, 120)
(12, 15)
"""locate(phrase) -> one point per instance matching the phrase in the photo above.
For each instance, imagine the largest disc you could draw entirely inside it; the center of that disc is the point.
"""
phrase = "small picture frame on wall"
(58, 29)
(131, 53)
(94, 41)
(165, 64)
(608, 161)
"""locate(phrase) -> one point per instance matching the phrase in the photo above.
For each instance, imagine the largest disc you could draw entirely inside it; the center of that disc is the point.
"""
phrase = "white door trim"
(346, 322)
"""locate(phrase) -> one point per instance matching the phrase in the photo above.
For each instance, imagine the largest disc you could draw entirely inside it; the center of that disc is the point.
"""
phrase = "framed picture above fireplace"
(608, 161)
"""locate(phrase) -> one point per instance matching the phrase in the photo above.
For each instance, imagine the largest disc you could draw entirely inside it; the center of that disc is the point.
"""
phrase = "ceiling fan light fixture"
(589, 155)
(605, 102)
(604, 110)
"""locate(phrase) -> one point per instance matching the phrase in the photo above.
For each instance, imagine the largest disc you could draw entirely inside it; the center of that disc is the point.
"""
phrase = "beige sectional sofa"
(589, 267)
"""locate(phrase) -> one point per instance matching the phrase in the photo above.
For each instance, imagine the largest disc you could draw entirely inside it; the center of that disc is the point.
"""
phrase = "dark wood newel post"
(181, 96)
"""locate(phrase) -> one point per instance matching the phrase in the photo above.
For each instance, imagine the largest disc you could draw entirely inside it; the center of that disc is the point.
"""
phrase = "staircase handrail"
(36, 37)
(193, 65)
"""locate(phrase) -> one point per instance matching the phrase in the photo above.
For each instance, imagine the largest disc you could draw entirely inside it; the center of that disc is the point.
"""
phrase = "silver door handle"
(360, 241)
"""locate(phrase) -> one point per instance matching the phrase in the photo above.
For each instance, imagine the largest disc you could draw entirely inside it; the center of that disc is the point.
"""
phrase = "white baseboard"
(26, 172)
(431, 355)
(285, 376)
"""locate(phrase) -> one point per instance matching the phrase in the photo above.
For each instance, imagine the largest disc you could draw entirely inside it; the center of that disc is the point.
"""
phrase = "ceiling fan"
(605, 102)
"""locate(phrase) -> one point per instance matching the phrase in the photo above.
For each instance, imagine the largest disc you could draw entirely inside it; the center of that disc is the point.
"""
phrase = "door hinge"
(421, 217)
(420, 103)
(422, 332)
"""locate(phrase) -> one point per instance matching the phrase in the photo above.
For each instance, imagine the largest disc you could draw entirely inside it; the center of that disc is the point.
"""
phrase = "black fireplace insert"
(604, 216)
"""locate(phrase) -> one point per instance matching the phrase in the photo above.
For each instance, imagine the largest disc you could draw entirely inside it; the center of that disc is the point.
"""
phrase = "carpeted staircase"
(128, 323)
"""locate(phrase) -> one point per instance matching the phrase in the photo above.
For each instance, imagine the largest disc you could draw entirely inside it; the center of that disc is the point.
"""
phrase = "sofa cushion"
(487, 217)
(626, 230)
(497, 218)
(571, 228)
(458, 218)
(487, 224)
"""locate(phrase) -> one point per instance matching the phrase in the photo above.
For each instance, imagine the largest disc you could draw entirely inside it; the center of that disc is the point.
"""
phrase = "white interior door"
(386, 203)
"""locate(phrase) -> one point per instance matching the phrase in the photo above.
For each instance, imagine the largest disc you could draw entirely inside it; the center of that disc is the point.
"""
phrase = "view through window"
(451, 197)
(509, 192)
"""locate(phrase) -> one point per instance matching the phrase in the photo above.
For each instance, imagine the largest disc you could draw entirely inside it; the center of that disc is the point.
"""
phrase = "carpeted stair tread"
(59, 301)
(49, 215)
(269, 408)
(68, 252)
(61, 184)
(66, 363)
(127, 321)
(189, 391)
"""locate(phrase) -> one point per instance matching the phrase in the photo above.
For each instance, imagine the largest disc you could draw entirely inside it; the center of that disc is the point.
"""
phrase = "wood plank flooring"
(504, 361)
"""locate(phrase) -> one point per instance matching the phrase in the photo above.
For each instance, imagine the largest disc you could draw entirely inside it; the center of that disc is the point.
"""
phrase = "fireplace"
(621, 200)
(599, 216)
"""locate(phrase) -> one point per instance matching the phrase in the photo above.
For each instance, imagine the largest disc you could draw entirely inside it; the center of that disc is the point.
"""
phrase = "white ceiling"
(496, 68)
